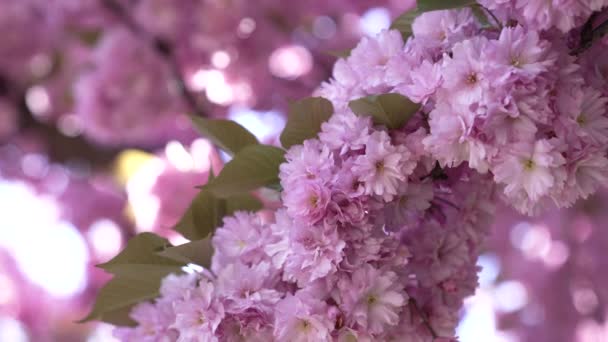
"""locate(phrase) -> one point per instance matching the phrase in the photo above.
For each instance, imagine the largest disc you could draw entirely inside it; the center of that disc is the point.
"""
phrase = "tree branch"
(425, 320)
(59, 147)
(589, 34)
(487, 11)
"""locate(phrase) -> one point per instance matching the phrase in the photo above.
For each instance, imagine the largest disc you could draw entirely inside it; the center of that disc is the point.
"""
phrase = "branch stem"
(425, 320)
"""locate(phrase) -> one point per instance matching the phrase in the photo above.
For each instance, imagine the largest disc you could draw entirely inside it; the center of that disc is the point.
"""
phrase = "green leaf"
(480, 15)
(119, 295)
(140, 250)
(391, 110)
(253, 167)
(434, 5)
(202, 217)
(207, 211)
(403, 23)
(245, 202)
(226, 134)
(138, 271)
(195, 252)
(305, 119)
(275, 187)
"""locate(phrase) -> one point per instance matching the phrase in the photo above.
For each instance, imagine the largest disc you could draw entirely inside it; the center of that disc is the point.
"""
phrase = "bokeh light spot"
(38, 101)
(12, 330)
(106, 238)
(511, 296)
(290, 61)
(324, 27)
(375, 20)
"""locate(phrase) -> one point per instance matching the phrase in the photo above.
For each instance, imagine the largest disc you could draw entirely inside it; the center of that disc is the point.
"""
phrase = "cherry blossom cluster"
(380, 229)
(513, 103)
(109, 67)
(370, 244)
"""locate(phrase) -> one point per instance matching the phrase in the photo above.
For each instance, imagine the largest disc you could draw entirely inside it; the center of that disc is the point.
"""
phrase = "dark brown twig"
(500, 26)
(58, 147)
(589, 34)
(425, 320)
(436, 173)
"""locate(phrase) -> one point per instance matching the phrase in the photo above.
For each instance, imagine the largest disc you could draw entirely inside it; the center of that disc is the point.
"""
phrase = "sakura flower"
(154, 324)
(465, 74)
(343, 87)
(508, 128)
(238, 329)
(437, 255)
(383, 166)
(315, 252)
(277, 247)
(370, 57)
(310, 161)
(417, 196)
(521, 54)
(345, 131)
(591, 116)
(530, 169)
(346, 181)
(241, 238)
(596, 5)
(302, 319)
(174, 286)
(254, 289)
(444, 27)
(308, 201)
(451, 141)
(199, 314)
(424, 82)
(594, 63)
(412, 199)
(114, 103)
(584, 177)
(533, 101)
(545, 14)
(347, 210)
(372, 299)
(414, 142)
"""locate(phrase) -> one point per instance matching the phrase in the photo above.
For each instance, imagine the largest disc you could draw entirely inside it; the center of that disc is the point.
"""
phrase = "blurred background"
(96, 146)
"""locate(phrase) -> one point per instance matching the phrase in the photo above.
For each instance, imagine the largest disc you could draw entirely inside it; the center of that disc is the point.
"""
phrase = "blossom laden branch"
(163, 48)
(416, 193)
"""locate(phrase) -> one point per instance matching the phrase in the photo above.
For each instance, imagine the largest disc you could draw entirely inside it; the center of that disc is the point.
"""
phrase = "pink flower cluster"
(512, 102)
(111, 99)
(103, 65)
(380, 229)
(545, 15)
(350, 265)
